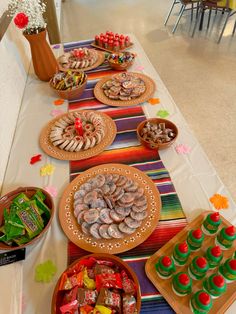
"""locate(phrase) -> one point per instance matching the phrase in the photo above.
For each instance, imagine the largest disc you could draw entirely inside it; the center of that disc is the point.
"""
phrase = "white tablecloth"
(194, 178)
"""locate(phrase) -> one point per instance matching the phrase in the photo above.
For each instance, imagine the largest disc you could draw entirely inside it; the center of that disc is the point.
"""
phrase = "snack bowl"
(126, 60)
(7, 200)
(151, 144)
(70, 93)
(75, 268)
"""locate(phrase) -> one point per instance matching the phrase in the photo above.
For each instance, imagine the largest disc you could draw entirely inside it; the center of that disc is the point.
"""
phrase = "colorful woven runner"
(126, 149)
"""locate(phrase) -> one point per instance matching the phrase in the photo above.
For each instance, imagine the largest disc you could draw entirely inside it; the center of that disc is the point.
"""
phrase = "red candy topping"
(215, 217)
(166, 261)
(219, 281)
(197, 234)
(216, 251)
(204, 298)
(183, 247)
(201, 262)
(232, 264)
(230, 231)
(184, 279)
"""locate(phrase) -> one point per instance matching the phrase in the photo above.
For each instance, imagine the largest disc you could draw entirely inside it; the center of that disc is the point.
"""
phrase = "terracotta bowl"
(57, 295)
(153, 145)
(71, 94)
(5, 202)
(121, 66)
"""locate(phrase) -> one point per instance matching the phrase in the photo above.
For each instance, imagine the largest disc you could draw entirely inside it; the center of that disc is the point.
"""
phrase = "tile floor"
(199, 74)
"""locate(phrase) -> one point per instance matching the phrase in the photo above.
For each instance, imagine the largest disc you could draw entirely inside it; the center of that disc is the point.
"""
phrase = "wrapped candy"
(127, 283)
(100, 309)
(108, 281)
(88, 282)
(86, 296)
(103, 269)
(129, 304)
(69, 308)
(109, 298)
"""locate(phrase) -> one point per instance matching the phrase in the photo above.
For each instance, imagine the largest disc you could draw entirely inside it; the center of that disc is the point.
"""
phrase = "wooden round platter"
(100, 60)
(73, 230)
(150, 89)
(56, 152)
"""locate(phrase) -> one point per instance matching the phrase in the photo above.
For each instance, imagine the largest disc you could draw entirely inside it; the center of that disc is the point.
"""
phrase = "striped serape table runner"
(126, 149)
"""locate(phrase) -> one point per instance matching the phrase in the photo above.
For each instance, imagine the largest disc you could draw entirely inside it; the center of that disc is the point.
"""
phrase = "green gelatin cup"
(197, 307)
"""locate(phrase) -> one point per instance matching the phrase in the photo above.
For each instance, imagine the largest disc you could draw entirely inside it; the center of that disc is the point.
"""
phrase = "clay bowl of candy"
(69, 85)
(25, 216)
(157, 133)
(121, 61)
(97, 283)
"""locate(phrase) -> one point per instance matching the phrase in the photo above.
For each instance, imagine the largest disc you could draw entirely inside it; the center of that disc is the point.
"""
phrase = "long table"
(192, 174)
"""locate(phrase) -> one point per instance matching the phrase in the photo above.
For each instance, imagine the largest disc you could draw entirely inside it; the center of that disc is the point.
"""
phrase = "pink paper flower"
(51, 190)
(183, 149)
(56, 112)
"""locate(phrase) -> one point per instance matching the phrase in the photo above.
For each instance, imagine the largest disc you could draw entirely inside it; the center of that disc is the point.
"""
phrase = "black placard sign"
(12, 256)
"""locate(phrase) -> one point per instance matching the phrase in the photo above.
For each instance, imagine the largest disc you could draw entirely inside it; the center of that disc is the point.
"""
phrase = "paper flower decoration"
(21, 20)
(35, 158)
(162, 113)
(183, 149)
(51, 190)
(154, 101)
(47, 170)
(58, 102)
(56, 112)
(44, 272)
(219, 201)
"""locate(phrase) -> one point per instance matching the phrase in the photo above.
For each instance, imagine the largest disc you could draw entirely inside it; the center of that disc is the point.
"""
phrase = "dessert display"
(68, 80)
(157, 133)
(215, 285)
(195, 239)
(80, 59)
(206, 279)
(24, 217)
(110, 206)
(112, 42)
(198, 267)
(101, 285)
(201, 302)
(78, 134)
(182, 284)
(211, 224)
(165, 267)
(181, 253)
(121, 60)
(124, 86)
(225, 238)
(214, 256)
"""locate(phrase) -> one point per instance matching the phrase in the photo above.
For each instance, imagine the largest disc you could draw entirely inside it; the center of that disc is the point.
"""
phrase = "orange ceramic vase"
(44, 61)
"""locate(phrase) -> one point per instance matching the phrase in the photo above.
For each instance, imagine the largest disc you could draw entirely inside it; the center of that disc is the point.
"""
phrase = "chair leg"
(209, 18)
(234, 29)
(179, 17)
(192, 13)
(169, 13)
(196, 22)
(222, 32)
(202, 19)
(197, 10)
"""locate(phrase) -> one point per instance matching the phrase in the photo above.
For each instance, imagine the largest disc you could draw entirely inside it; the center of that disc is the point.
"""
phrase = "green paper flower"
(45, 271)
(162, 113)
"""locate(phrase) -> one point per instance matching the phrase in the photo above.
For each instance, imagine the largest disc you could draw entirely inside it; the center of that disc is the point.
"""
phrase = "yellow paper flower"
(219, 201)
(154, 101)
(47, 170)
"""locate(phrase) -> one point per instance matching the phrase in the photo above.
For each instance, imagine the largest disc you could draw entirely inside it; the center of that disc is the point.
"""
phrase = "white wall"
(14, 65)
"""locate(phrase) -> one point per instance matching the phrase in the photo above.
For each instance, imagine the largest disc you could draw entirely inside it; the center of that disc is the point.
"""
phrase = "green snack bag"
(35, 210)
(22, 240)
(42, 206)
(31, 224)
(20, 199)
(13, 218)
(40, 194)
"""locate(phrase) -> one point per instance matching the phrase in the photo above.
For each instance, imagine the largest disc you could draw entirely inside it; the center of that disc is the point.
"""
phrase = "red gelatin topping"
(183, 247)
(216, 251)
(215, 217)
(230, 231)
(204, 298)
(197, 233)
(219, 281)
(232, 264)
(166, 261)
(122, 36)
(116, 43)
(102, 35)
(184, 279)
(96, 37)
(201, 262)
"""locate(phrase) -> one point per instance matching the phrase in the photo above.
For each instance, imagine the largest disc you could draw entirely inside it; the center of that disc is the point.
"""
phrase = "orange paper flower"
(219, 201)
(58, 102)
(154, 101)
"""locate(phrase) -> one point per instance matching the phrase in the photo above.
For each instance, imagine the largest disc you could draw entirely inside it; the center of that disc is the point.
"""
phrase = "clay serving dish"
(58, 295)
(120, 66)
(152, 145)
(70, 94)
(5, 202)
